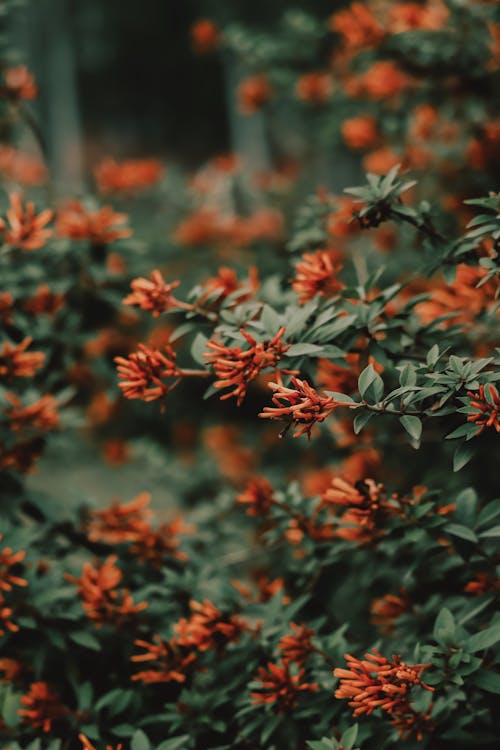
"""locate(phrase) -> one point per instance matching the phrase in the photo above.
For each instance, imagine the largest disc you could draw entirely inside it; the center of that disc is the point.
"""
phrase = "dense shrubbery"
(332, 591)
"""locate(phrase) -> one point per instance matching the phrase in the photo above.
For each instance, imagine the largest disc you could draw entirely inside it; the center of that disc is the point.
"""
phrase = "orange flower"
(99, 227)
(22, 167)
(43, 301)
(482, 583)
(280, 687)
(462, 301)
(12, 670)
(340, 223)
(130, 176)
(115, 451)
(236, 367)
(205, 36)
(301, 405)
(41, 414)
(22, 456)
(121, 522)
(258, 496)
(485, 408)
(142, 373)
(381, 161)
(317, 273)
(42, 707)
(87, 745)
(226, 283)
(366, 508)
(254, 93)
(334, 377)
(360, 132)
(154, 295)
(101, 600)
(154, 544)
(5, 615)
(385, 610)
(375, 682)
(6, 308)
(25, 228)
(357, 26)
(172, 661)
(431, 16)
(297, 647)
(423, 121)
(20, 83)
(382, 80)
(16, 362)
(314, 88)
(8, 560)
(208, 628)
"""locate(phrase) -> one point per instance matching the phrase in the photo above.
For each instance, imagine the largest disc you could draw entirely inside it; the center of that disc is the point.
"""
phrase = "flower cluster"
(153, 295)
(142, 374)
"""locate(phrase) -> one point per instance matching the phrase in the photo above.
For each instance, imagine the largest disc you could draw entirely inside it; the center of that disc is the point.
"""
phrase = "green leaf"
(174, 743)
(11, 704)
(371, 380)
(483, 640)
(85, 639)
(493, 533)
(462, 532)
(299, 350)
(198, 347)
(349, 737)
(444, 626)
(462, 456)
(360, 420)
(412, 425)
(139, 741)
(486, 680)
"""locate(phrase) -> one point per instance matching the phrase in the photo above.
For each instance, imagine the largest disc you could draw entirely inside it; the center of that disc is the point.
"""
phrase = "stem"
(26, 117)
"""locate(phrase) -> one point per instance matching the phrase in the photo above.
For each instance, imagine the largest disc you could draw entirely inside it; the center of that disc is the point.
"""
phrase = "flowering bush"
(322, 366)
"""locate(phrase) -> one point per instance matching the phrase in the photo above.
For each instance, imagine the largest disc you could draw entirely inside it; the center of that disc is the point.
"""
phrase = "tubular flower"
(154, 544)
(42, 706)
(314, 88)
(484, 408)
(383, 79)
(482, 583)
(99, 227)
(258, 496)
(280, 687)
(21, 456)
(375, 682)
(142, 373)
(236, 367)
(121, 522)
(386, 610)
(16, 362)
(171, 661)
(208, 628)
(317, 273)
(130, 176)
(41, 415)
(87, 745)
(299, 405)
(360, 132)
(357, 26)
(43, 301)
(205, 36)
(5, 615)
(366, 508)
(226, 283)
(253, 94)
(12, 669)
(297, 647)
(8, 559)
(24, 228)
(101, 600)
(412, 16)
(19, 83)
(154, 294)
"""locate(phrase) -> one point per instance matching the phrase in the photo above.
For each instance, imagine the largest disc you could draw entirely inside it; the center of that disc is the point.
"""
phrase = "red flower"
(25, 228)
(20, 83)
(101, 600)
(130, 176)
(383, 79)
(315, 88)
(317, 274)
(365, 508)
(142, 373)
(357, 26)
(482, 583)
(154, 544)
(258, 495)
(6, 308)
(208, 627)
(386, 609)
(41, 415)
(43, 301)
(154, 295)
(375, 682)
(121, 522)
(280, 687)
(300, 405)
(100, 227)
(297, 647)
(236, 367)
(42, 707)
(16, 362)
(254, 93)
(226, 283)
(484, 408)
(360, 132)
(205, 36)
(172, 661)
(87, 745)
